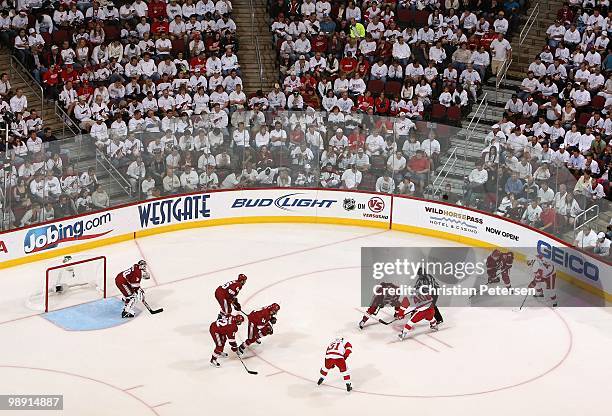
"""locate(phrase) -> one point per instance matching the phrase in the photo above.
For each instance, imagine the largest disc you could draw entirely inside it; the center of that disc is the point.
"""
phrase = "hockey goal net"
(75, 281)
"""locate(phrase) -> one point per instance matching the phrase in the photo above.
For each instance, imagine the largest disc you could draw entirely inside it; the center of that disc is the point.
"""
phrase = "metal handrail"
(584, 214)
(59, 112)
(438, 185)
(17, 67)
(255, 43)
(471, 128)
(533, 16)
(501, 76)
(114, 173)
(502, 73)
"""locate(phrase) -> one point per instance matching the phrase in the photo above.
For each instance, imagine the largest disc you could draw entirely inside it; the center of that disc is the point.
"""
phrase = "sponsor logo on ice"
(168, 211)
(289, 202)
(51, 236)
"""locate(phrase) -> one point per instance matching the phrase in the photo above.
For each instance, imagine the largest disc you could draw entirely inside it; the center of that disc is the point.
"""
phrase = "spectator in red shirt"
(365, 101)
(418, 169)
(382, 104)
(51, 79)
(157, 9)
(348, 64)
(69, 74)
(548, 218)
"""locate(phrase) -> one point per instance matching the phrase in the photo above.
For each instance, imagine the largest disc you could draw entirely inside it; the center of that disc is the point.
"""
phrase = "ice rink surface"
(483, 361)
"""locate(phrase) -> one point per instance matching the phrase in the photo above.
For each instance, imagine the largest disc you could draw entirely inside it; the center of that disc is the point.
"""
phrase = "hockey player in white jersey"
(544, 279)
(336, 355)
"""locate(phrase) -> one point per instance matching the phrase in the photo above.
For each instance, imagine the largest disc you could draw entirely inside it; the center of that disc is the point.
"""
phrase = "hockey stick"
(408, 315)
(388, 323)
(245, 367)
(153, 311)
(523, 304)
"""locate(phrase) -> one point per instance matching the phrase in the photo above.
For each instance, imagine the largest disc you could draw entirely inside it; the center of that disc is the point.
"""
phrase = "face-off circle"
(477, 350)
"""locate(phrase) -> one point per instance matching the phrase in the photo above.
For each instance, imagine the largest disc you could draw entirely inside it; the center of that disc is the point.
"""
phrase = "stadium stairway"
(247, 52)
(534, 41)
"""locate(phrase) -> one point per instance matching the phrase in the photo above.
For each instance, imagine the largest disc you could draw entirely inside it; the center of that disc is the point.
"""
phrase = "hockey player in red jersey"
(499, 265)
(544, 279)
(380, 301)
(260, 325)
(422, 308)
(222, 330)
(227, 294)
(336, 355)
(128, 283)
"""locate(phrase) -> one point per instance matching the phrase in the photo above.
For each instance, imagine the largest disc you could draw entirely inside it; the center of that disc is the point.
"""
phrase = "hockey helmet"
(67, 259)
(496, 254)
(142, 264)
(239, 319)
(242, 278)
(533, 262)
(421, 281)
(274, 307)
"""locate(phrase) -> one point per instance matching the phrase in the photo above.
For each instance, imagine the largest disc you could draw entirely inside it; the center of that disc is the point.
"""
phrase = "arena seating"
(156, 87)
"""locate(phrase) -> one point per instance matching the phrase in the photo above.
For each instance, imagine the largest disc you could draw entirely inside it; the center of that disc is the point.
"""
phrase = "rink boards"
(436, 219)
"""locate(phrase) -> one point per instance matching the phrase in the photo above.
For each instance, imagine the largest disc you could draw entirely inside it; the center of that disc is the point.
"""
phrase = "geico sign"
(569, 260)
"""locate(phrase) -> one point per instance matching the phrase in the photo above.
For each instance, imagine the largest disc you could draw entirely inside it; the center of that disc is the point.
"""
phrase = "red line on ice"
(439, 340)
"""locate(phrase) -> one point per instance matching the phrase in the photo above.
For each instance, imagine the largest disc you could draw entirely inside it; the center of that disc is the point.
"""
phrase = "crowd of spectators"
(157, 86)
(103, 62)
(548, 159)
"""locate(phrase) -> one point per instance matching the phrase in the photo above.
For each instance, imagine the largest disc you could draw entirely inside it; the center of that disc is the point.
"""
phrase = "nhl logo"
(349, 204)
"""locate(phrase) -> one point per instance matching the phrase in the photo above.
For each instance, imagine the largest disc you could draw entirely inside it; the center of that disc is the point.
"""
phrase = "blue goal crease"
(91, 316)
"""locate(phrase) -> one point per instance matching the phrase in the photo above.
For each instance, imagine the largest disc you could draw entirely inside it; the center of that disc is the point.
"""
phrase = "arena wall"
(436, 219)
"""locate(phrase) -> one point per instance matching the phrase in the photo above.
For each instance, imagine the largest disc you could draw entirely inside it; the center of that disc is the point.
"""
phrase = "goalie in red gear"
(260, 325)
(227, 294)
(499, 265)
(544, 279)
(222, 330)
(128, 283)
(336, 355)
(380, 301)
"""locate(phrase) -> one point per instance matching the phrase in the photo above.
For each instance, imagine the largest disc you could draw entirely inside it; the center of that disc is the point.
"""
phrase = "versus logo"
(50, 236)
(502, 233)
(192, 207)
(285, 202)
(453, 220)
(569, 260)
(376, 204)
